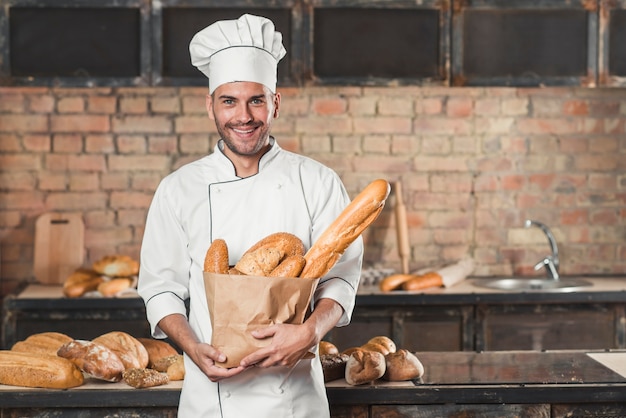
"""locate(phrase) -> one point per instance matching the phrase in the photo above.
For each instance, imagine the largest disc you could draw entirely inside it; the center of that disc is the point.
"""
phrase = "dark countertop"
(450, 377)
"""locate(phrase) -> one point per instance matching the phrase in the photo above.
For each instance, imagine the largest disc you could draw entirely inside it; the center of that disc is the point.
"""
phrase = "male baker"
(245, 190)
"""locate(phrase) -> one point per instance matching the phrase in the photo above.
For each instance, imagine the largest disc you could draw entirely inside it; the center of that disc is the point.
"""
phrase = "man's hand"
(205, 356)
(289, 344)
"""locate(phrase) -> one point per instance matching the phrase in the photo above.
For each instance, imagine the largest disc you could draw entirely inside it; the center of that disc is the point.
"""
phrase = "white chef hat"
(246, 49)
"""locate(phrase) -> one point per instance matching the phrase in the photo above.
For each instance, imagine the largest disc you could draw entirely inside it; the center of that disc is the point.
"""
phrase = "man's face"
(243, 113)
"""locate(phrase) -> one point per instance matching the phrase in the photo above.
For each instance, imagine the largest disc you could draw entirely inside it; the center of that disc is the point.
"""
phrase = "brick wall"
(474, 164)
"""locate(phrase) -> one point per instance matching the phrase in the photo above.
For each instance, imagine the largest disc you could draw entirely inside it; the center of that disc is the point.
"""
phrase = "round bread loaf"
(157, 349)
(327, 348)
(364, 367)
(402, 365)
(93, 358)
(386, 342)
(117, 266)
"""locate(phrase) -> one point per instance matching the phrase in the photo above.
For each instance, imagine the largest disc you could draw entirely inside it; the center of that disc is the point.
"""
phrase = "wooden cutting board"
(59, 246)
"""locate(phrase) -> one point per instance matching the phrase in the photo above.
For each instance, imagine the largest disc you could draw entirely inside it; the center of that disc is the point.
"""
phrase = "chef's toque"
(246, 49)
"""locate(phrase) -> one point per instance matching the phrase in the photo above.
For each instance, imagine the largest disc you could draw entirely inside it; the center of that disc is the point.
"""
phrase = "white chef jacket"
(205, 200)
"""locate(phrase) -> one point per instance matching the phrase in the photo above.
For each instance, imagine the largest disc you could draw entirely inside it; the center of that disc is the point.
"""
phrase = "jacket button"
(227, 394)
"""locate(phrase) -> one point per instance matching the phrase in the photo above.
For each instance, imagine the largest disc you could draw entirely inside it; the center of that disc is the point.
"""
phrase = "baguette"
(38, 371)
(117, 266)
(395, 281)
(424, 281)
(334, 241)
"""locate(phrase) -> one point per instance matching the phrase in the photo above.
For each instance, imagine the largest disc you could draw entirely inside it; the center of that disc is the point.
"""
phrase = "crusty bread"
(288, 243)
(164, 363)
(290, 266)
(394, 281)
(216, 258)
(157, 349)
(38, 371)
(93, 358)
(346, 228)
(80, 282)
(117, 266)
(144, 378)
(114, 286)
(423, 281)
(326, 348)
(386, 342)
(364, 367)
(370, 346)
(402, 365)
(176, 370)
(132, 353)
(42, 343)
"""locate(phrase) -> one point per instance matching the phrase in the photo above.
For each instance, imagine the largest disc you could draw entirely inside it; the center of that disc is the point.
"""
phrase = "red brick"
(382, 164)
(165, 104)
(20, 162)
(107, 238)
(23, 123)
(382, 125)
(37, 143)
(575, 107)
(99, 144)
(451, 182)
(547, 126)
(329, 106)
(360, 106)
(50, 181)
(134, 162)
(99, 219)
(18, 180)
(513, 182)
(146, 181)
(162, 144)
(131, 217)
(102, 104)
(195, 144)
(597, 162)
(442, 126)
(9, 219)
(574, 217)
(136, 105)
(131, 144)
(430, 106)
(12, 103)
(195, 105)
(71, 105)
(80, 123)
(378, 144)
(447, 163)
(316, 125)
(459, 107)
(10, 143)
(130, 199)
(84, 182)
(29, 200)
(608, 217)
(142, 124)
(75, 201)
(192, 124)
(569, 145)
(41, 104)
(67, 143)
(115, 181)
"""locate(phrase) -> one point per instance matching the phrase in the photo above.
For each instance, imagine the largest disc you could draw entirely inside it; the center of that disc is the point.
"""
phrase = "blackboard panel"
(72, 42)
(525, 43)
(359, 42)
(617, 43)
(181, 24)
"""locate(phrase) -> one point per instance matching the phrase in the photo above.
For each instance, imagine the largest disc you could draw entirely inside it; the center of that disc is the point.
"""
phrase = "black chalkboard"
(617, 43)
(181, 24)
(362, 42)
(524, 43)
(74, 42)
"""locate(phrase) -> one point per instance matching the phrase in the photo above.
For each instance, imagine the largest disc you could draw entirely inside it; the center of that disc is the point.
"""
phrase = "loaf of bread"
(117, 266)
(176, 370)
(326, 348)
(402, 365)
(131, 352)
(260, 262)
(164, 363)
(80, 282)
(157, 349)
(346, 228)
(423, 281)
(144, 378)
(114, 286)
(388, 344)
(364, 367)
(288, 243)
(216, 258)
(394, 281)
(38, 371)
(290, 266)
(42, 343)
(333, 366)
(94, 359)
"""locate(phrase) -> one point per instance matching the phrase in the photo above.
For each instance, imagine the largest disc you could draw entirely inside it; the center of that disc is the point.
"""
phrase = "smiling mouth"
(243, 130)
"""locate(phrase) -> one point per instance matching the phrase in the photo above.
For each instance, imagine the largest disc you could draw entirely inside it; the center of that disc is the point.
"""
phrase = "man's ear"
(209, 106)
(276, 105)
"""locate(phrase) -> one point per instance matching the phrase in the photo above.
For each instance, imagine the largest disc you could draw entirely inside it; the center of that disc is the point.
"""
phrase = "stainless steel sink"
(525, 284)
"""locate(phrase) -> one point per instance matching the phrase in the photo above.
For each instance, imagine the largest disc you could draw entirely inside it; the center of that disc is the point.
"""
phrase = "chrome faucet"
(550, 262)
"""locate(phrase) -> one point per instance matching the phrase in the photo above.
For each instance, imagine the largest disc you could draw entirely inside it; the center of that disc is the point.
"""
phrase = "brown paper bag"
(239, 304)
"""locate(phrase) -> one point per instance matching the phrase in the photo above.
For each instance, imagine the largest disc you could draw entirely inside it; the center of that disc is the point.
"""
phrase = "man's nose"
(243, 114)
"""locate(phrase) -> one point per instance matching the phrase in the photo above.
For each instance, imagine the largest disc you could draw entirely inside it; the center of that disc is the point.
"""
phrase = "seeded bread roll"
(94, 359)
(144, 378)
(38, 371)
(216, 258)
(348, 226)
(260, 262)
(334, 366)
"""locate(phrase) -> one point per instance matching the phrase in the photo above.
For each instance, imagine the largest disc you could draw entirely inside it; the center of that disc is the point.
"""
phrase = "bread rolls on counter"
(110, 276)
(94, 359)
